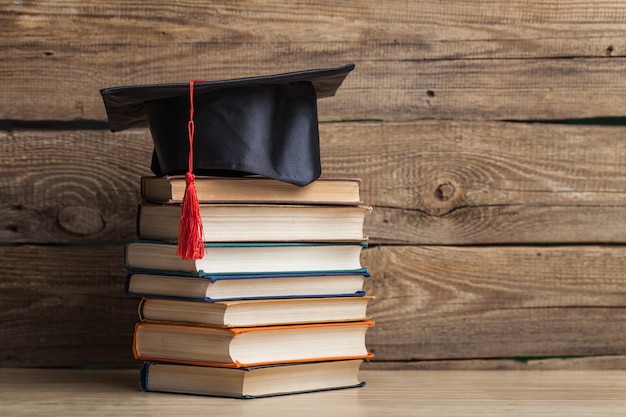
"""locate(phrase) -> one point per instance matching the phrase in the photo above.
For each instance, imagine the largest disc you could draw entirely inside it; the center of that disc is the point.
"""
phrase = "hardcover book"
(171, 189)
(246, 258)
(247, 313)
(250, 382)
(257, 222)
(250, 346)
(248, 286)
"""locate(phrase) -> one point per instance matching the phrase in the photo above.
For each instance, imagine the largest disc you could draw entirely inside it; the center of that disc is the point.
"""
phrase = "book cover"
(171, 189)
(238, 347)
(226, 287)
(250, 382)
(246, 258)
(247, 313)
(257, 222)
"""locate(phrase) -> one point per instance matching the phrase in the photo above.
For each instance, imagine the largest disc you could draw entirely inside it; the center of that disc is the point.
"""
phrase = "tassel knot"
(190, 230)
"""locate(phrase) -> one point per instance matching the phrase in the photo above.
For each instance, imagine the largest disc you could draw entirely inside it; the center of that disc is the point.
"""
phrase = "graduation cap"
(265, 125)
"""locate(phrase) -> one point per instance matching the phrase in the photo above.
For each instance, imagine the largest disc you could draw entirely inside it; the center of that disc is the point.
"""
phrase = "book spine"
(143, 377)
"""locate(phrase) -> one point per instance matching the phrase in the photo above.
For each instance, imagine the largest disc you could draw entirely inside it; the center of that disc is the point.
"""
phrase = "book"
(241, 258)
(171, 189)
(238, 347)
(257, 222)
(250, 382)
(248, 286)
(248, 313)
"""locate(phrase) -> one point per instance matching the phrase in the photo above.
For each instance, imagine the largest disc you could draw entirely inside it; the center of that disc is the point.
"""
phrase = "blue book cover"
(227, 287)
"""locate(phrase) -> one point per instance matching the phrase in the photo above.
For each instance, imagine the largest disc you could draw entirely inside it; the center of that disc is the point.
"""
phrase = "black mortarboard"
(264, 125)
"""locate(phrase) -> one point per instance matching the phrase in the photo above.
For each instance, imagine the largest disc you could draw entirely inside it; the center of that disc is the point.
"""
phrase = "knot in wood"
(445, 191)
(80, 220)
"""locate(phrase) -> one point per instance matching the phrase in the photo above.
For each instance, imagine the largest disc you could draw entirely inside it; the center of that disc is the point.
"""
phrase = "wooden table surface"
(58, 392)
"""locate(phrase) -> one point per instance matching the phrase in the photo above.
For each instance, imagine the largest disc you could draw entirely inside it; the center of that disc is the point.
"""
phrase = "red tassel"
(190, 230)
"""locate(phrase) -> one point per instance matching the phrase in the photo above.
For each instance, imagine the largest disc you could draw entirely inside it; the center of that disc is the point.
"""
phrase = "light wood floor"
(51, 392)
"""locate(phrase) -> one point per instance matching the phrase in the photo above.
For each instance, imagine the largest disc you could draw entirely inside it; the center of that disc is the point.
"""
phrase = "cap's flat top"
(124, 104)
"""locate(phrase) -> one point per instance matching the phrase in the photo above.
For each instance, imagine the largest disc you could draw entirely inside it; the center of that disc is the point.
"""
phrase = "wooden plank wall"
(497, 236)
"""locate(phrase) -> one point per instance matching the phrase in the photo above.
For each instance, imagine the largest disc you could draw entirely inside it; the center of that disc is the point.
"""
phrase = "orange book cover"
(221, 339)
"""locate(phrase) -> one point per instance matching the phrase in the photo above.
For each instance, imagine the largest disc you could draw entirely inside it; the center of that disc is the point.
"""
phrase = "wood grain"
(443, 302)
(484, 183)
(70, 186)
(429, 182)
(588, 363)
(390, 393)
(468, 60)
(64, 306)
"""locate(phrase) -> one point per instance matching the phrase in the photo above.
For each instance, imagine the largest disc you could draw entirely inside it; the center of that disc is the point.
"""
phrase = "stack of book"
(275, 306)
